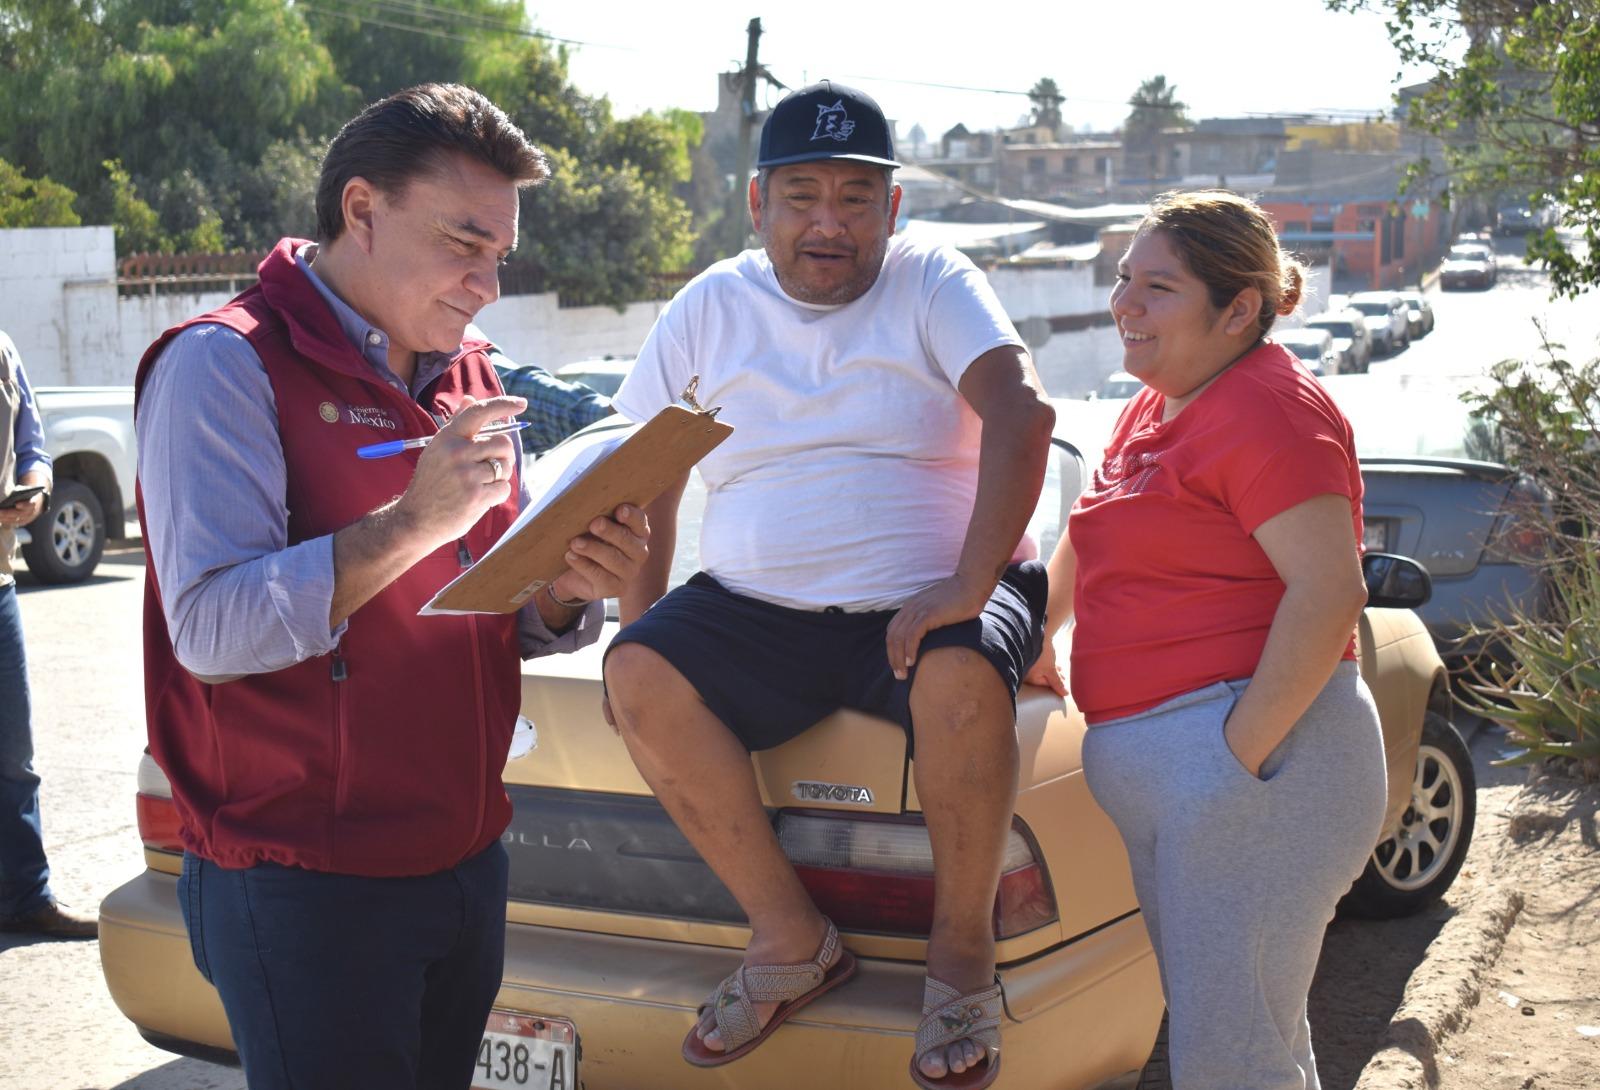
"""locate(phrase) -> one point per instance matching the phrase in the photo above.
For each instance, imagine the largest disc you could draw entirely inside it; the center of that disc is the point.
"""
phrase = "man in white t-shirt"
(861, 547)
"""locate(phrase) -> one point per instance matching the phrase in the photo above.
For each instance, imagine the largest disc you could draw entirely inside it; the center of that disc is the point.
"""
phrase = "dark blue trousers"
(334, 982)
(24, 874)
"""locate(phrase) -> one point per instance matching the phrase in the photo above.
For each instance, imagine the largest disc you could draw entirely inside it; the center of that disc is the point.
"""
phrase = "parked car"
(1387, 319)
(617, 930)
(1117, 386)
(1350, 336)
(603, 375)
(1419, 313)
(88, 431)
(1437, 491)
(1468, 265)
(1315, 349)
(1523, 217)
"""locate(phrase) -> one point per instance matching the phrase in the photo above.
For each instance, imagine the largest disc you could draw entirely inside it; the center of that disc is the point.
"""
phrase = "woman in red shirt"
(1215, 583)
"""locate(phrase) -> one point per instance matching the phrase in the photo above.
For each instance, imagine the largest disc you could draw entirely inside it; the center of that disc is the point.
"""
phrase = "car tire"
(1157, 1073)
(69, 537)
(1413, 868)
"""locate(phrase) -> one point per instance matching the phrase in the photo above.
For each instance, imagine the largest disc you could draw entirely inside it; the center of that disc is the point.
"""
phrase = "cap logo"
(833, 123)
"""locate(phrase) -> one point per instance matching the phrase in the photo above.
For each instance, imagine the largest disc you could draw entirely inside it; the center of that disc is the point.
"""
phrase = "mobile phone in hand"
(22, 495)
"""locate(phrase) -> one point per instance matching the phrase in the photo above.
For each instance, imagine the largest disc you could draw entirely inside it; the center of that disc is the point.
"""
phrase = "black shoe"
(54, 919)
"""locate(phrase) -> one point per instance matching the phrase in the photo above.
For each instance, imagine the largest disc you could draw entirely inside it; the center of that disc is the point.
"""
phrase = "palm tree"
(1155, 107)
(1047, 99)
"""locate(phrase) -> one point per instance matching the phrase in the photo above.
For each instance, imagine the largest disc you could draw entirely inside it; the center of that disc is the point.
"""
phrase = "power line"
(461, 20)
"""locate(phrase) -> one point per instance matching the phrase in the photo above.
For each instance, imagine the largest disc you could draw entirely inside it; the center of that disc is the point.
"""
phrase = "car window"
(1373, 307)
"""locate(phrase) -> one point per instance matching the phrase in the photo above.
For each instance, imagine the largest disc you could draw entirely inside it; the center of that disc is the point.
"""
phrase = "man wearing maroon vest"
(336, 758)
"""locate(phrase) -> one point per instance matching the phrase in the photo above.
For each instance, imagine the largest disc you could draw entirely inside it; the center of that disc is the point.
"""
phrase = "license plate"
(1375, 537)
(527, 1052)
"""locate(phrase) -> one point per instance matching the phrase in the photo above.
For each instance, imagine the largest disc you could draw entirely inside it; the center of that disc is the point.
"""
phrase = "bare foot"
(772, 950)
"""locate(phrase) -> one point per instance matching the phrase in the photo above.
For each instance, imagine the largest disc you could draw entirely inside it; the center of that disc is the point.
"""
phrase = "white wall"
(58, 301)
(534, 329)
(1070, 364)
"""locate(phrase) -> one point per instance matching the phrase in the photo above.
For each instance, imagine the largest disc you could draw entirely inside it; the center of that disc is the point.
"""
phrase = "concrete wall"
(1071, 362)
(534, 329)
(58, 301)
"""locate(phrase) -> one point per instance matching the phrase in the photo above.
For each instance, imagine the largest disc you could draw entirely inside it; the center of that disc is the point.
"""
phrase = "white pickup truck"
(88, 431)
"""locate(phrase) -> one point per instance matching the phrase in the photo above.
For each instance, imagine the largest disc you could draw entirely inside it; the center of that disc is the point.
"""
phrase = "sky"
(1227, 59)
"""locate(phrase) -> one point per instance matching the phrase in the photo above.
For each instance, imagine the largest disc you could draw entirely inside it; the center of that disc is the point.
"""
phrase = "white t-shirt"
(851, 473)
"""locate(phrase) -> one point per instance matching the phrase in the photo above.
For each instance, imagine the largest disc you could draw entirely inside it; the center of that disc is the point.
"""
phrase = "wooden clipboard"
(636, 472)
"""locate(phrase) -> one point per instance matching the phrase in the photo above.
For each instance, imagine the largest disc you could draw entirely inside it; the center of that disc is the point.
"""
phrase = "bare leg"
(966, 775)
(702, 775)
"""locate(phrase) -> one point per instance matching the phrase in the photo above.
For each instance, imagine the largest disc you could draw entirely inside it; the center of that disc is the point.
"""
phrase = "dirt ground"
(1498, 986)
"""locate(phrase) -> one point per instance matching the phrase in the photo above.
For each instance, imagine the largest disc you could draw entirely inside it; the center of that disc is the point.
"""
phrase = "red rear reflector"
(875, 872)
(158, 823)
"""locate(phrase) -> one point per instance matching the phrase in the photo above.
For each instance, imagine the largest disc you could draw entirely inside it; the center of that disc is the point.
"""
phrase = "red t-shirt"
(1172, 592)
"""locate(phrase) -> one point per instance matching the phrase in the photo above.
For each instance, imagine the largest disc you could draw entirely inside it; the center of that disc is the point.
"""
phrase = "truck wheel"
(69, 537)
(1413, 868)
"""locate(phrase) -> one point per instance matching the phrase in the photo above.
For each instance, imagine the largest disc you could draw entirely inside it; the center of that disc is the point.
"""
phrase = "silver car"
(1387, 317)
(1350, 336)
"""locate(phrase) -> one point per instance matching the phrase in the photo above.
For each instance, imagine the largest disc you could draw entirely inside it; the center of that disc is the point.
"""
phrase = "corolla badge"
(814, 791)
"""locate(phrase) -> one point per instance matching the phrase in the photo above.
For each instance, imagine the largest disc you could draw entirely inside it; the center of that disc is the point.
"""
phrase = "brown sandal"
(791, 986)
(948, 1017)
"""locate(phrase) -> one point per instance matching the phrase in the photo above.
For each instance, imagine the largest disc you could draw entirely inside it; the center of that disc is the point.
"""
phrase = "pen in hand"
(395, 446)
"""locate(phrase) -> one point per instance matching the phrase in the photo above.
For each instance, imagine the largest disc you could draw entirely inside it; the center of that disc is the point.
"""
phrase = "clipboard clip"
(688, 398)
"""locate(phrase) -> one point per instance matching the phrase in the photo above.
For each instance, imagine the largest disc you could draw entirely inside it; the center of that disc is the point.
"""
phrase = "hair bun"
(1294, 286)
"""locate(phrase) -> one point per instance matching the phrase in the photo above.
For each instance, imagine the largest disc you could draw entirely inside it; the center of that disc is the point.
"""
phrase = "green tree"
(156, 84)
(1515, 98)
(136, 225)
(1046, 98)
(215, 113)
(1155, 106)
(383, 46)
(599, 233)
(30, 202)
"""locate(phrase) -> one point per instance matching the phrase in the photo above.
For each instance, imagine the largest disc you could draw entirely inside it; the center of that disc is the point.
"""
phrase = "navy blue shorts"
(769, 672)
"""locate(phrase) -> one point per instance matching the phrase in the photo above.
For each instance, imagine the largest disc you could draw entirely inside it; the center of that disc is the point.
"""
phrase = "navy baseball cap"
(826, 120)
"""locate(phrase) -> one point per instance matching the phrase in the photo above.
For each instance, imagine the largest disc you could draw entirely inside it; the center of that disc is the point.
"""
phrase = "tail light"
(875, 873)
(1522, 532)
(158, 817)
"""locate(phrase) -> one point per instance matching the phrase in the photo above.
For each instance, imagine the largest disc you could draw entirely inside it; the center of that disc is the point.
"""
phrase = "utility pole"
(737, 215)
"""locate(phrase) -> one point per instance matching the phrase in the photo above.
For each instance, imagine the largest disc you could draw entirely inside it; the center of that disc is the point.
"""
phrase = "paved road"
(59, 1029)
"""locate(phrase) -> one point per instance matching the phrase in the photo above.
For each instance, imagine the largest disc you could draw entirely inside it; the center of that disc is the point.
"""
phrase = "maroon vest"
(383, 757)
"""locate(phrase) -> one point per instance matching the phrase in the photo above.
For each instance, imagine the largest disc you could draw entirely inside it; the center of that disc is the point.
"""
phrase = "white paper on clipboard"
(548, 478)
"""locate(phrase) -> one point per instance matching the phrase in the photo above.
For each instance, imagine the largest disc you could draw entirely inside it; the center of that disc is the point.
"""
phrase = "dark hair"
(1229, 244)
(411, 134)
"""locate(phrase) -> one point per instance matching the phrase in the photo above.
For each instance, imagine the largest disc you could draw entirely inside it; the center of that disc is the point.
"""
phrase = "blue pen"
(395, 446)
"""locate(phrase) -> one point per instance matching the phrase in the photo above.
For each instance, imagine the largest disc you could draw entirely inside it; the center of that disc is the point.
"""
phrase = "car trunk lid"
(1450, 535)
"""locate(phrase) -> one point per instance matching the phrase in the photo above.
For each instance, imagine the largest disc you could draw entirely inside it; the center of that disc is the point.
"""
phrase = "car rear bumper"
(1459, 602)
(1079, 1016)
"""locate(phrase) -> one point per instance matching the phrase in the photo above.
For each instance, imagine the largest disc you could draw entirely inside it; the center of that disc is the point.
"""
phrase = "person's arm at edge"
(651, 582)
(33, 465)
(1312, 546)
(1062, 570)
(1005, 392)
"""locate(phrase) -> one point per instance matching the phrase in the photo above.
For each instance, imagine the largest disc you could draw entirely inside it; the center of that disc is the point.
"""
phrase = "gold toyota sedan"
(618, 930)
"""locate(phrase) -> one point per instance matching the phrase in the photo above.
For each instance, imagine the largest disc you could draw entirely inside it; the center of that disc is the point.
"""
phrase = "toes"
(933, 1066)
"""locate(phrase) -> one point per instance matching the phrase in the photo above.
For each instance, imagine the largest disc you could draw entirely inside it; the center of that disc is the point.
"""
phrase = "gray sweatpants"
(1237, 876)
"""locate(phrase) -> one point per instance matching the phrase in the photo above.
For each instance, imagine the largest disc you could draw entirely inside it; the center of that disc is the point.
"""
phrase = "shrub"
(1543, 684)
